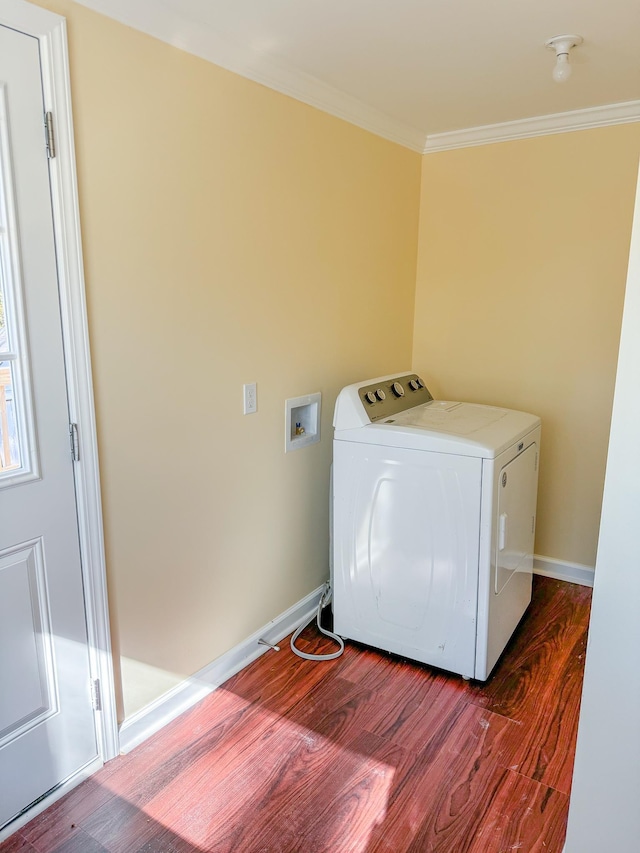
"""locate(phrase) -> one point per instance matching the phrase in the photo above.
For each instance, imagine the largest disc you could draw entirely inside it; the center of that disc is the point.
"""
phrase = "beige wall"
(234, 235)
(231, 235)
(521, 274)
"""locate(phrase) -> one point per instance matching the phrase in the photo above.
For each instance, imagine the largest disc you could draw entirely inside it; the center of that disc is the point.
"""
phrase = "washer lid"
(449, 417)
(398, 411)
(442, 426)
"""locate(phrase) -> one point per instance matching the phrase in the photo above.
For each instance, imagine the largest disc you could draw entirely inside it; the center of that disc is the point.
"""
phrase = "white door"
(47, 730)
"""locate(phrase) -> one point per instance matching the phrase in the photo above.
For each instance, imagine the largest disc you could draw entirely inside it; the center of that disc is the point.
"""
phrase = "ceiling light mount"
(562, 45)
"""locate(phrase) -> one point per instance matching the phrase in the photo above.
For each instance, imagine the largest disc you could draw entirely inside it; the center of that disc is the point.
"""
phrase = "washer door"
(516, 516)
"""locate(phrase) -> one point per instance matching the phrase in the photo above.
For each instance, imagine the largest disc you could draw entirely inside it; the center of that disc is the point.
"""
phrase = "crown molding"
(200, 39)
(539, 126)
(309, 90)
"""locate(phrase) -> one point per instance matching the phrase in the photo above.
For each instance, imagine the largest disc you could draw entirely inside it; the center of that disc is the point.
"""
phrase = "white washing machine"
(434, 508)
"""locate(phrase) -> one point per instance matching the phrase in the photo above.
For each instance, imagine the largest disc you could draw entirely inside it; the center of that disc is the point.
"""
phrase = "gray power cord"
(325, 598)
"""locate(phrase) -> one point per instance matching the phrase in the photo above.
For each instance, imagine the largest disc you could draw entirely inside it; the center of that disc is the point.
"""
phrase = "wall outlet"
(250, 398)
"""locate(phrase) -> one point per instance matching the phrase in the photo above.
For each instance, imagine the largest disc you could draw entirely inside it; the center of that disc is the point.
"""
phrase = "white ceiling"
(412, 70)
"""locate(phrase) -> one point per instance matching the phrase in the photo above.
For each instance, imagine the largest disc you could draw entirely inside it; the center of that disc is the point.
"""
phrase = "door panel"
(24, 628)
(47, 728)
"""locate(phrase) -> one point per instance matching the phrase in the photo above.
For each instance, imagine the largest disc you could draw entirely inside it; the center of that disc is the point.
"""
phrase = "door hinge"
(49, 135)
(74, 442)
(96, 695)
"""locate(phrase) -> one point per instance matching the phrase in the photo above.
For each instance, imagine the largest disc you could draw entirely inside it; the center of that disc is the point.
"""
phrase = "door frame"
(50, 31)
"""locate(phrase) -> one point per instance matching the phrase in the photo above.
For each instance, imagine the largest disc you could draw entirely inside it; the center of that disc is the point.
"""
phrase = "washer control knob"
(420, 382)
(413, 384)
(397, 389)
(370, 397)
(380, 394)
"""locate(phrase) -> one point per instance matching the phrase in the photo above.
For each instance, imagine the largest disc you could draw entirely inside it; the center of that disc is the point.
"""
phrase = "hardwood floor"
(364, 754)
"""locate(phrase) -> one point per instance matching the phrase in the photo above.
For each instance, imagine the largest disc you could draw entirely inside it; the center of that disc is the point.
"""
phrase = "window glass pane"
(9, 443)
(18, 461)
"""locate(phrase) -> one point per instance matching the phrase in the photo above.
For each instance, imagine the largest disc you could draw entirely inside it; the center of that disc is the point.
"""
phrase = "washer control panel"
(386, 398)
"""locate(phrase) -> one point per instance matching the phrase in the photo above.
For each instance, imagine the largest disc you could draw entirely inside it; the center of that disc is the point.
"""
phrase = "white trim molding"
(540, 126)
(187, 693)
(561, 570)
(50, 30)
(183, 696)
(200, 39)
(64, 193)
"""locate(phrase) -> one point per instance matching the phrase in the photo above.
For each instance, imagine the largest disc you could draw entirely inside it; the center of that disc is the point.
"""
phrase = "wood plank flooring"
(365, 754)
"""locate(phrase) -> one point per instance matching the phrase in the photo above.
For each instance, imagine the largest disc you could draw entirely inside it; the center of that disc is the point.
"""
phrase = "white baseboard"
(563, 571)
(183, 696)
(170, 705)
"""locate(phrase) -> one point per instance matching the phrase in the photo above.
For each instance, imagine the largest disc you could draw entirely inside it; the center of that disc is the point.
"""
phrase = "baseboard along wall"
(183, 696)
(167, 707)
(561, 570)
